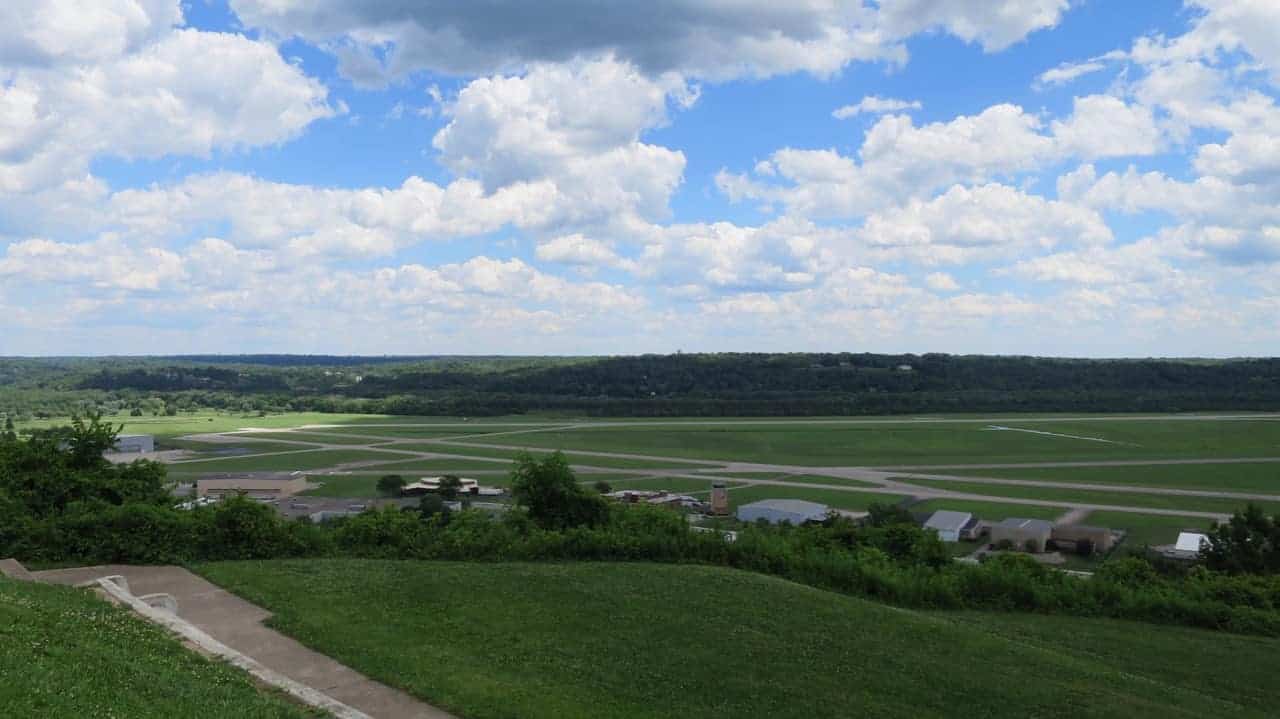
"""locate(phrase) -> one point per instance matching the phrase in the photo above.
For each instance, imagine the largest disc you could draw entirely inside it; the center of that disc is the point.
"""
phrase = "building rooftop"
(796, 506)
(1039, 525)
(947, 520)
(1190, 541)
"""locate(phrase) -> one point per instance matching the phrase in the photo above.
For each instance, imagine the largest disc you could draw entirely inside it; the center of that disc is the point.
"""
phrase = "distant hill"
(793, 384)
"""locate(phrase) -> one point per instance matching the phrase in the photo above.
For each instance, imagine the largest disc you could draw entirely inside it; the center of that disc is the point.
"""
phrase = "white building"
(948, 524)
(1190, 542)
(465, 486)
(777, 511)
(135, 443)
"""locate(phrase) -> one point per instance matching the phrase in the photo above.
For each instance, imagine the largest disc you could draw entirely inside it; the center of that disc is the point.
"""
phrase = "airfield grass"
(1257, 477)
(313, 437)
(925, 443)
(1056, 494)
(66, 653)
(295, 460)
(839, 499)
(585, 459)
(1152, 529)
(553, 640)
(684, 485)
(991, 511)
(214, 449)
(443, 463)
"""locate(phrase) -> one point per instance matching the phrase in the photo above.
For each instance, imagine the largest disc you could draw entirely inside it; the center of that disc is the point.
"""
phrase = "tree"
(449, 486)
(551, 493)
(390, 485)
(603, 487)
(887, 515)
(9, 432)
(432, 505)
(1249, 543)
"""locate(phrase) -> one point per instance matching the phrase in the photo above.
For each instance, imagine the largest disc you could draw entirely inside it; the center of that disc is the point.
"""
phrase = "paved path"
(238, 624)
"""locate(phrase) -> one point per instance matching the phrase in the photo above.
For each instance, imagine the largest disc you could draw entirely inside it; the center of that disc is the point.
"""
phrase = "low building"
(948, 524)
(1190, 543)
(253, 487)
(134, 444)
(1029, 535)
(1070, 536)
(974, 529)
(777, 511)
(430, 485)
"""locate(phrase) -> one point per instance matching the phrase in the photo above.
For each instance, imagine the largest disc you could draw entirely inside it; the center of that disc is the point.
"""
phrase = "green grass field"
(1235, 477)
(1055, 494)
(313, 437)
(993, 511)
(66, 653)
(584, 459)
(214, 449)
(431, 465)
(303, 460)
(925, 443)
(673, 484)
(1153, 529)
(836, 498)
(552, 640)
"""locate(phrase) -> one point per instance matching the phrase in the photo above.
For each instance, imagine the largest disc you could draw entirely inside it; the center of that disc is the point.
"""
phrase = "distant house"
(1191, 542)
(131, 443)
(777, 511)
(431, 485)
(1073, 534)
(253, 487)
(1025, 534)
(948, 524)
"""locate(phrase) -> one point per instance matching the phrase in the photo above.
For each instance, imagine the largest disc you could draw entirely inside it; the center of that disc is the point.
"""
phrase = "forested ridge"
(793, 384)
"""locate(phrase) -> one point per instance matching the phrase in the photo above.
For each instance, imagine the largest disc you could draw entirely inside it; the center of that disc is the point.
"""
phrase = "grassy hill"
(65, 653)
(643, 640)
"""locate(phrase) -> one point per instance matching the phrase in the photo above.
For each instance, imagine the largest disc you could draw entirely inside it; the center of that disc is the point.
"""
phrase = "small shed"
(777, 511)
(948, 524)
(1100, 538)
(1025, 534)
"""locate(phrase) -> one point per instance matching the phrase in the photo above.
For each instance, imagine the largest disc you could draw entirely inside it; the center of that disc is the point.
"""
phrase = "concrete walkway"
(238, 624)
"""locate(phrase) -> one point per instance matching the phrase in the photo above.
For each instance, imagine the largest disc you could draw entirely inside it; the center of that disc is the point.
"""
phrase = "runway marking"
(1001, 428)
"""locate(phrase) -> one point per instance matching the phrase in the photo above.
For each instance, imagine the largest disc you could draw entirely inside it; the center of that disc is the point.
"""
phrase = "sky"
(1043, 177)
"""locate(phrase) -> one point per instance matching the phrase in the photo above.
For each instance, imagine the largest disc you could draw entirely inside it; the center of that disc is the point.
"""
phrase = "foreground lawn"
(66, 653)
(646, 640)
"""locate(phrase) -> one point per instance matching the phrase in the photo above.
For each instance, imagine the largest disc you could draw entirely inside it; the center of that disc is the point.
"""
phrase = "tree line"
(710, 385)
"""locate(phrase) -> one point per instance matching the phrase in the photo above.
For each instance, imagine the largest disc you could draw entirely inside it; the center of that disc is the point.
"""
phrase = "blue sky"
(1080, 178)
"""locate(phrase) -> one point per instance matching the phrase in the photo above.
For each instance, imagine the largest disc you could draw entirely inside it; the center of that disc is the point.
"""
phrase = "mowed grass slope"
(926, 443)
(66, 653)
(646, 640)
